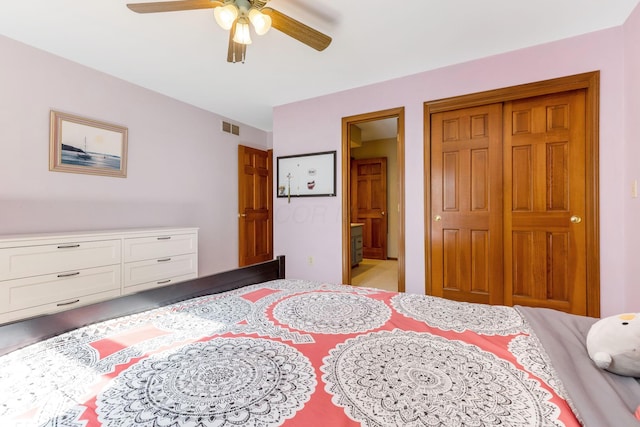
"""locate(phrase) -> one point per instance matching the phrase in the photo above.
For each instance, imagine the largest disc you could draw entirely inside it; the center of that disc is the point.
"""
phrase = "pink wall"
(182, 170)
(312, 227)
(632, 159)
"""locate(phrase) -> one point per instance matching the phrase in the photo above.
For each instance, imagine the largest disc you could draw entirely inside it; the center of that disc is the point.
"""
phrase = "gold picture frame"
(81, 145)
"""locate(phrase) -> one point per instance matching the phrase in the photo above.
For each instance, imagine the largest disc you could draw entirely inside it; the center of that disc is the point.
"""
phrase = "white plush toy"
(613, 344)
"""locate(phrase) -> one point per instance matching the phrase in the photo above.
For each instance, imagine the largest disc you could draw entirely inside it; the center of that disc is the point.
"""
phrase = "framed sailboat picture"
(82, 145)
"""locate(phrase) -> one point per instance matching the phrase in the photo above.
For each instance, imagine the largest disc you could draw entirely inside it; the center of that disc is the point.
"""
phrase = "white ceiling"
(378, 129)
(183, 54)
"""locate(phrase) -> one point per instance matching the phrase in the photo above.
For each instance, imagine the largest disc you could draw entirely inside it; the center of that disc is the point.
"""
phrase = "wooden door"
(466, 204)
(545, 185)
(369, 204)
(255, 216)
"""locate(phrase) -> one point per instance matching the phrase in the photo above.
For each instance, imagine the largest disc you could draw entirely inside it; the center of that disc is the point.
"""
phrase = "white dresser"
(46, 273)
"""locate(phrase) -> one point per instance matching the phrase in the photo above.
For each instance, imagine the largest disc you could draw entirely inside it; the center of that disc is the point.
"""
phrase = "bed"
(251, 348)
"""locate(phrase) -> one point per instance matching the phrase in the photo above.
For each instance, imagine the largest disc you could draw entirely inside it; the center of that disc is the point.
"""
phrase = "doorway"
(373, 199)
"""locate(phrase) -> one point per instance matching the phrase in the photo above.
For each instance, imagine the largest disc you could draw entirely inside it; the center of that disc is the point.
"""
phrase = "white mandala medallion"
(459, 316)
(418, 379)
(331, 313)
(225, 381)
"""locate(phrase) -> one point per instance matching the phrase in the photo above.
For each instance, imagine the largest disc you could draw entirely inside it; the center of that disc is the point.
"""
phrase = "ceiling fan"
(235, 16)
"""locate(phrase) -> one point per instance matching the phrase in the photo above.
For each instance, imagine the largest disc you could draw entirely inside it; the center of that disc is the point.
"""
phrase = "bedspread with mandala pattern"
(290, 353)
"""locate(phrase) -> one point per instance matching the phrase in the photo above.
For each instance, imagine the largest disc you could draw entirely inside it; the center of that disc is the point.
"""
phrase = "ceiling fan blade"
(172, 6)
(236, 51)
(297, 29)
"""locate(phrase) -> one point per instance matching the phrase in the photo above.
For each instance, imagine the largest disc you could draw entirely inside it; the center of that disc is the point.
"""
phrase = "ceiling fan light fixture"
(242, 35)
(225, 15)
(237, 17)
(261, 22)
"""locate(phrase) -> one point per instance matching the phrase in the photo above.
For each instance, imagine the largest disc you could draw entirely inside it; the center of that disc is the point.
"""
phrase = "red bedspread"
(292, 353)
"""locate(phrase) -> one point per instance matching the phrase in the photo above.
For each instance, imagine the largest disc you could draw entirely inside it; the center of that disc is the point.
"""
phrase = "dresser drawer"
(144, 248)
(55, 292)
(157, 283)
(36, 260)
(160, 269)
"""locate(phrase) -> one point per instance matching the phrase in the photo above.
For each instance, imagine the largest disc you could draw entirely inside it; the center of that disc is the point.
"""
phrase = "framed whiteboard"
(307, 175)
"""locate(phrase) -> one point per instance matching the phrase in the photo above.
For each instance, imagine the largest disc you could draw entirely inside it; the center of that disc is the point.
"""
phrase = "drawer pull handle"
(164, 260)
(69, 274)
(67, 303)
(162, 282)
(164, 238)
(68, 246)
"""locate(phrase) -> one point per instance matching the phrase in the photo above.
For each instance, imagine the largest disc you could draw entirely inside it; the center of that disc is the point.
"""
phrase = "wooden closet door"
(544, 209)
(466, 204)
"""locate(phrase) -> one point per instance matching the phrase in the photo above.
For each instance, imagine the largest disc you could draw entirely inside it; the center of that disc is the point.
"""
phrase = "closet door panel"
(466, 201)
(545, 238)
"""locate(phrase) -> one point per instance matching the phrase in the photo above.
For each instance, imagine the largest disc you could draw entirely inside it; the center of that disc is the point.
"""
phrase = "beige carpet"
(376, 273)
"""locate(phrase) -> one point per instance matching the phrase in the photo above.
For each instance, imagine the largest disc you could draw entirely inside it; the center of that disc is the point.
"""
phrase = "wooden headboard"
(18, 334)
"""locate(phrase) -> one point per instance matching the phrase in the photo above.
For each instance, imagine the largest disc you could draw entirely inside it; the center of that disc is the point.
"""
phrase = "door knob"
(437, 218)
(576, 219)
(382, 213)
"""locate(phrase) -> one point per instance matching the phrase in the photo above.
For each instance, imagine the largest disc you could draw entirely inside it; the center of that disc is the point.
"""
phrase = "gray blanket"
(600, 398)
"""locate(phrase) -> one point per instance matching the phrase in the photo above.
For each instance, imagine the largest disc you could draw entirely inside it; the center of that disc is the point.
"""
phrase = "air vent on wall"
(229, 128)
